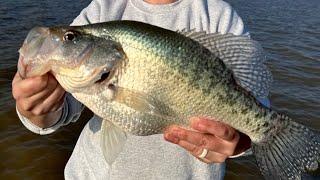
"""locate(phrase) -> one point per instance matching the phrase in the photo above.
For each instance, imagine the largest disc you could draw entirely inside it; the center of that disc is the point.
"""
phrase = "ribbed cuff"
(245, 153)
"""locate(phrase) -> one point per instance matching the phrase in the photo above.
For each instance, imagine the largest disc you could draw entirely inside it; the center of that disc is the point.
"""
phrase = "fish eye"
(69, 36)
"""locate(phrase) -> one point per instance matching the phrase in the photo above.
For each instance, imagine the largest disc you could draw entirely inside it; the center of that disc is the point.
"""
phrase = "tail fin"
(294, 150)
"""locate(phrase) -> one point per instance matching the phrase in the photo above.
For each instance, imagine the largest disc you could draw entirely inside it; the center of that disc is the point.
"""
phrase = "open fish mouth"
(29, 52)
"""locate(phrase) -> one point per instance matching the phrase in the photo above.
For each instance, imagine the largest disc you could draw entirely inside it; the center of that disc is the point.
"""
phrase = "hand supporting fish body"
(141, 79)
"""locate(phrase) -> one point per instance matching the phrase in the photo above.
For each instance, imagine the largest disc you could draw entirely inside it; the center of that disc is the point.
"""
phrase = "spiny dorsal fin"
(245, 57)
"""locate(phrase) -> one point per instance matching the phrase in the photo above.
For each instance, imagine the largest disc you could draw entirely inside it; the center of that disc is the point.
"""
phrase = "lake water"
(289, 31)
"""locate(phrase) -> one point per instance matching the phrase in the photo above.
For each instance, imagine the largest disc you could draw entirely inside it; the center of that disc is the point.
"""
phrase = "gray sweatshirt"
(148, 157)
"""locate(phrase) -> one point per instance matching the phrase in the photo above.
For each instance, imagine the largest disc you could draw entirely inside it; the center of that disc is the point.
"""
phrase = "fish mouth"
(27, 68)
(29, 49)
(22, 67)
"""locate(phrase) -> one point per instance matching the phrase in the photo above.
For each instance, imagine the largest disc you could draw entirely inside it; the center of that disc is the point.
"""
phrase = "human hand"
(38, 98)
(219, 139)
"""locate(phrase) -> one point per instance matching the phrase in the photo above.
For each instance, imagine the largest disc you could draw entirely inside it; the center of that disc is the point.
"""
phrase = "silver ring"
(203, 154)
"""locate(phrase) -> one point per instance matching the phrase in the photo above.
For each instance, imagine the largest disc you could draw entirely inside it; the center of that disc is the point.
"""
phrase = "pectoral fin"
(142, 102)
(138, 113)
(112, 141)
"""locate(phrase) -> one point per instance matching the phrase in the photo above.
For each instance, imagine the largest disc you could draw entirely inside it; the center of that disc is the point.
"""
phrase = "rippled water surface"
(289, 31)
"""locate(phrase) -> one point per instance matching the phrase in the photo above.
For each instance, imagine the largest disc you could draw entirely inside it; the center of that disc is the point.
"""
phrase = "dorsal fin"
(244, 56)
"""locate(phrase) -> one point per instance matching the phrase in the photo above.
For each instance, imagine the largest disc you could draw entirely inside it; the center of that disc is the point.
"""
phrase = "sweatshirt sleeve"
(100, 11)
(230, 21)
(89, 15)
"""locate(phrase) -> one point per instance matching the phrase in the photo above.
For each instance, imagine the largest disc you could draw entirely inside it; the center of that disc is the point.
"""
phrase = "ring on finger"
(203, 154)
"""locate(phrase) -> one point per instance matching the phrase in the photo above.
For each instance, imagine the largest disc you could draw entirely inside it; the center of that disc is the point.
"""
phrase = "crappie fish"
(141, 78)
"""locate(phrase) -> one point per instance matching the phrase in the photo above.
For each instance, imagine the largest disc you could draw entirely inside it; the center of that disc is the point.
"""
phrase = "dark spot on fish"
(274, 115)
(244, 111)
(266, 131)
(266, 124)
(103, 77)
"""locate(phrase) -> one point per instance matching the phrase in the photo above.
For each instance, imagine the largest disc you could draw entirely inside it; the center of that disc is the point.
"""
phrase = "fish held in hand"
(141, 79)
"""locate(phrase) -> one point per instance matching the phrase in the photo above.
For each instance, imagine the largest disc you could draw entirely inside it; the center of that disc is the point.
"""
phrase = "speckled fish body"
(142, 78)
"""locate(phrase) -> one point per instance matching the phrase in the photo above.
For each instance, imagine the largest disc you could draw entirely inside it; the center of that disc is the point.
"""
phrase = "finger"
(16, 78)
(211, 157)
(214, 157)
(208, 141)
(29, 103)
(219, 129)
(49, 102)
(28, 87)
(59, 104)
